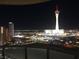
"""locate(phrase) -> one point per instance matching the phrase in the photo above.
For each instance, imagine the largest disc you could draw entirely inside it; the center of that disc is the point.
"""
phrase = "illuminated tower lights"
(56, 31)
(57, 22)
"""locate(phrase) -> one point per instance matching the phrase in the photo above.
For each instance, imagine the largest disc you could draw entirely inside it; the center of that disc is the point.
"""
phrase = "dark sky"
(41, 16)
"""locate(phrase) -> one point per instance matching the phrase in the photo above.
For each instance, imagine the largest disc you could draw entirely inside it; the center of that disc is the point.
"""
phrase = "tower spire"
(56, 7)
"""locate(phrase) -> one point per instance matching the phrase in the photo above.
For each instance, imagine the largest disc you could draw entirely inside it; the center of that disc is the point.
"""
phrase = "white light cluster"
(54, 32)
(58, 32)
(49, 32)
(19, 36)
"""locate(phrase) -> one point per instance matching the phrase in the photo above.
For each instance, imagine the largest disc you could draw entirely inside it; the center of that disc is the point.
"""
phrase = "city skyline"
(41, 16)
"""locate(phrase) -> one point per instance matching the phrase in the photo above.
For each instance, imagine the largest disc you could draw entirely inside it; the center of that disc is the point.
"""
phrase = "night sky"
(41, 15)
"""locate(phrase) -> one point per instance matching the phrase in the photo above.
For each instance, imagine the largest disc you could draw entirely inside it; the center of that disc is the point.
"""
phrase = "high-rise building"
(4, 35)
(1, 35)
(11, 29)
